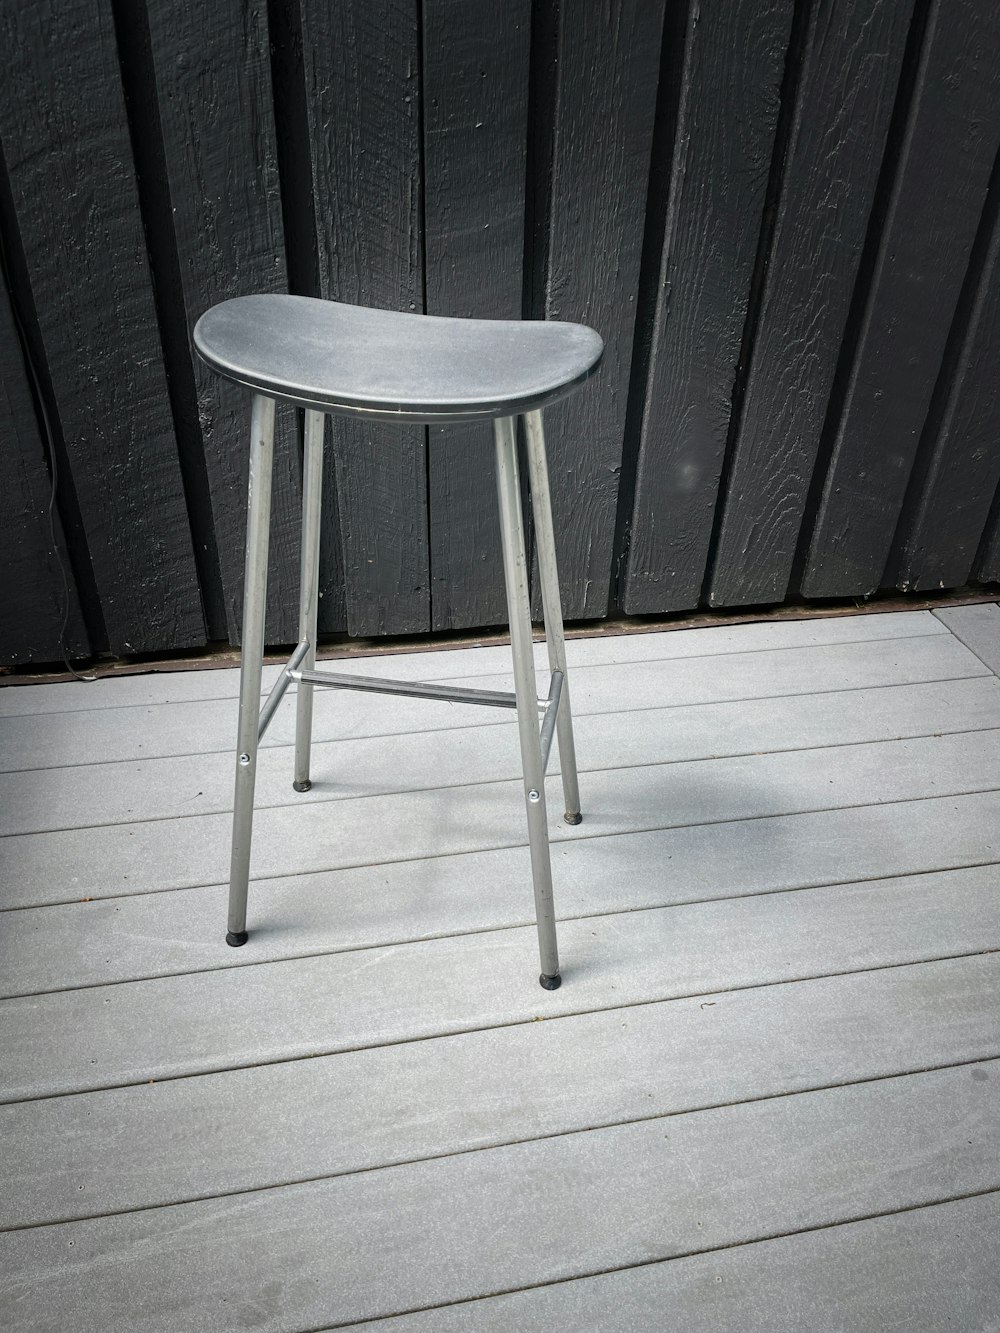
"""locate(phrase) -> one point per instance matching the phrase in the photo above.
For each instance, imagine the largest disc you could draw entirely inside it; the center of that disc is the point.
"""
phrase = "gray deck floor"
(764, 1098)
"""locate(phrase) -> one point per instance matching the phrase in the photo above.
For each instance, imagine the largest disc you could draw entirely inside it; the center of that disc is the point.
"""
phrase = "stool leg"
(548, 576)
(251, 659)
(312, 495)
(519, 612)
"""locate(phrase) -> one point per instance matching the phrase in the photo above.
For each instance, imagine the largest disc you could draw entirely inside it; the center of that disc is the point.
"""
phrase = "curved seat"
(391, 366)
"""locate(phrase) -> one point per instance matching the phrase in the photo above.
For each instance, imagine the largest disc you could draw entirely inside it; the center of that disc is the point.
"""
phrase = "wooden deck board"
(930, 1268)
(978, 627)
(129, 791)
(476, 1223)
(153, 855)
(130, 691)
(149, 1145)
(777, 1032)
(179, 931)
(98, 735)
(69, 1041)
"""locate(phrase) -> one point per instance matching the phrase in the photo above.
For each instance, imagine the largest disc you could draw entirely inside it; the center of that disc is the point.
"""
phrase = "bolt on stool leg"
(312, 496)
(548, 577)
(251, 659)
(519, 613)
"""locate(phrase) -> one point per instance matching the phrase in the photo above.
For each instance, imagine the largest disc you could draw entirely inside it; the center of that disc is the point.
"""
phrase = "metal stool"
(380, 365)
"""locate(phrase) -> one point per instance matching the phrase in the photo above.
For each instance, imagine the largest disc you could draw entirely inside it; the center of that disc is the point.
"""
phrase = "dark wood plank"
(846, 88)
(299, 217)
(363, 94)
(941, 182)
(32, 594)
(213, 84)
(719, 160)
(66, 141)
(939, 543)
(605, 73)
(475, 81)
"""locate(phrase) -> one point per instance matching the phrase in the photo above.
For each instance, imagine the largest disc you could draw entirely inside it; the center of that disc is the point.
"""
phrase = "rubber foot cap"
(302, 786)
(551, 983)
(236, 938)
(574, 819)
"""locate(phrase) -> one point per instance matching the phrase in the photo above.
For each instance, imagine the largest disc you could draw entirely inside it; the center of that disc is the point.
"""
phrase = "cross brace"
(456, 694)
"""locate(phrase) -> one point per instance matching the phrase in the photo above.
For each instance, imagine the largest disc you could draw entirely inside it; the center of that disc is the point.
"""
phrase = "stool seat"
(391, 366)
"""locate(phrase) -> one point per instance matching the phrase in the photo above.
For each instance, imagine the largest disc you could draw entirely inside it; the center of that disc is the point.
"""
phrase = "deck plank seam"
(581, 666)
(894, 1076)
(649, 1263)
(335, 798)
(494, 929)
(966, 644)
(491, 1027)
(510, 846)
(504, 722)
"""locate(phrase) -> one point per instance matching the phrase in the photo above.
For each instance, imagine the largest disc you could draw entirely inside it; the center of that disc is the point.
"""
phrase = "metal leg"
(251, 659)
(312, 494)
(519, 611)
(548, 574)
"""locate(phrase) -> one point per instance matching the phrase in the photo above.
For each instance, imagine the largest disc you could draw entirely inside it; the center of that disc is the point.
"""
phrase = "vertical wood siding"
(66, 146)
(212, 73)
(475, 79)
(782, 215)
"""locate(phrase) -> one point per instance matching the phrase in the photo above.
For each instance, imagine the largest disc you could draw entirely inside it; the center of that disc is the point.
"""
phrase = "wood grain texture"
(942, 176)
(364, 105)
(846, 88)
(475, 82)
(174, 787)
(927, 1268)
(101, 733)
(214, 93)
(719, 160)
(148, 1146)
(32, 595)
(66, 141)
(939, 541)
(606, 74)
(330, 1252)
(938, 547)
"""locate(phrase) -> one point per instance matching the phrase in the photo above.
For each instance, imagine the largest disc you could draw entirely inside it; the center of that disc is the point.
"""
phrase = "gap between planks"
(318, 796)
(731, 1320)
(491, 721)
(397, 941)
(991, 1058)
(916, 1127)
(741, 1056)
(485, 1028)
(410, 661)
(734, 790)
(255, 1017)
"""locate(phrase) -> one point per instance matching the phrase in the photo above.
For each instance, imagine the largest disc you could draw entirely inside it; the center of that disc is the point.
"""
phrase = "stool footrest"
(455, 694)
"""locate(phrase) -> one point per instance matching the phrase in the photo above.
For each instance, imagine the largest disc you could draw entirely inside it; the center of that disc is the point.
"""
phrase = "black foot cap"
(551, 983)
(302, 786)
(236, 938)
(574, 819)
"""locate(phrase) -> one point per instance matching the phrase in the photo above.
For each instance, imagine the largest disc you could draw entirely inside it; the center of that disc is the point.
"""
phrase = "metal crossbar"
(457, 694)
(414, 689)
(279, 687)
(549, 717)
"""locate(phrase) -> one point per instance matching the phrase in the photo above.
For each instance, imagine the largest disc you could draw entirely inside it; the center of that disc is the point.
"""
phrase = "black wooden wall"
(782, 215)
